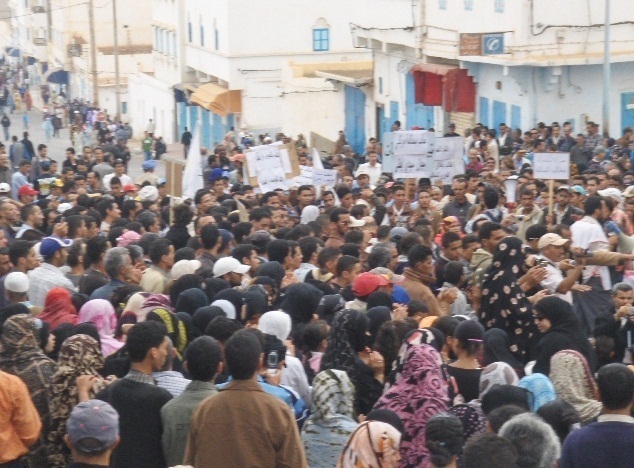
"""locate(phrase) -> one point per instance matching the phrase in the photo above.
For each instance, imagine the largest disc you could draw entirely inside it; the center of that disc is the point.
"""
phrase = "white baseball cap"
(551, 239)
(16, 282)
(184, 267)
(5, 188)
(229, 265)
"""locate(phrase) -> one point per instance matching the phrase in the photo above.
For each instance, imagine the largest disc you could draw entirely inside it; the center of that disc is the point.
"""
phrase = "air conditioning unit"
(38, 9)
(39, 41)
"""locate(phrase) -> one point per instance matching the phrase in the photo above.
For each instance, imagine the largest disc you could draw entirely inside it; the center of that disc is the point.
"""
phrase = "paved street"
(57, 146)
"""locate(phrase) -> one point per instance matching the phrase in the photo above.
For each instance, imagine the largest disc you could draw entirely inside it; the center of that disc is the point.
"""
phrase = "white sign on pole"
(269, 163)
(554, 166)
(327, 177)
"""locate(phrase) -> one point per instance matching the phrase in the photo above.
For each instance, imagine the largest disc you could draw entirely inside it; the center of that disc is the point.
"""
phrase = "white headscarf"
(277, 323)
(309, 213)
(227, 307)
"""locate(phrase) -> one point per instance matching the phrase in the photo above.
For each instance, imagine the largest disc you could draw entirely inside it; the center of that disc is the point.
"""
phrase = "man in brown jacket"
(242, 425)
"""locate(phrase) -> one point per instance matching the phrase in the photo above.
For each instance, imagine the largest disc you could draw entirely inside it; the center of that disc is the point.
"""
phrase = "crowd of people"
(376, 323)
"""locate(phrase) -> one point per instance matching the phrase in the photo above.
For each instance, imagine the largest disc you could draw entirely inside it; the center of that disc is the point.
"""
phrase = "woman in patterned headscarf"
(472, 417)
(497, 373)
(373, 444)
(573, 382)
(503, 304)
(332, 419)
(22, 356)
(79, 355)
(417, 395)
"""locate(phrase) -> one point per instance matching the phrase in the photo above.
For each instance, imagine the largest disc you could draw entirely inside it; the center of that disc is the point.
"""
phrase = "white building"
(253, 66)
(28, 32)
(69, 50)
(530, 61)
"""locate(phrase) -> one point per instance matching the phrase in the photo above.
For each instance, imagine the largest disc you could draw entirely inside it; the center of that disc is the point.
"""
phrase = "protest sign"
(448, 158)
(554, 166)
(271, 165)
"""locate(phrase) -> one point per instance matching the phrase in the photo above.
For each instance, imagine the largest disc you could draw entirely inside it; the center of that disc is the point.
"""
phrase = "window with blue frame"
(190, 32)
(468, 5)
(321, 40)
(124, 107)
(216, 39)
(202, 35)
(499, 6)
(442, 4)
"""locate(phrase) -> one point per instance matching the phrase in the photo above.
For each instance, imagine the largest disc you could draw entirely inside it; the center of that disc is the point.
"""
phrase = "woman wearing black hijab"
(300, 302)
(379, 298)
(213, 286)
(496, 349)
(378, 316)
(232, 296)
(184, 283)
(203, 316)
(562, 330)
(348, 351)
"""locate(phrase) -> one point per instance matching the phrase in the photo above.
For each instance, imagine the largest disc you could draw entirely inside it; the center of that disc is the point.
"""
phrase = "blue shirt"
(268, 388)
(106, 290)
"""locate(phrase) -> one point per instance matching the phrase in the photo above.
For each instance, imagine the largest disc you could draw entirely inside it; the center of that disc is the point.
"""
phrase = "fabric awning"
(434, 68)
(217, 99)
(353, 77)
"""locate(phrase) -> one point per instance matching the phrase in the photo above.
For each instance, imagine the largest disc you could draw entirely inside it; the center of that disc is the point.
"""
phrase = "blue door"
(355, 119)
(182, 118)
(205, 128)
(417, 115)
(394, 115)
(627, 110)
(381, 126)
(230, 124)
(193, 117)
(516, 117)
(218, 130)
(499, 114)
(484, 111)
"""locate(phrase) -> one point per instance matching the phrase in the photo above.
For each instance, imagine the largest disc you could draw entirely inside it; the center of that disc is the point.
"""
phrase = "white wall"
(153, 99)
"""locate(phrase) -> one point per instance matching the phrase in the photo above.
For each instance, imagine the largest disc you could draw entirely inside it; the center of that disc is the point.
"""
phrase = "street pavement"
(57, 145)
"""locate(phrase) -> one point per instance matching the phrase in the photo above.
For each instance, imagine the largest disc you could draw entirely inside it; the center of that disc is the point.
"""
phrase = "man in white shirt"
(552, 248)
(372, 167)
(48, 275)
(119, 171)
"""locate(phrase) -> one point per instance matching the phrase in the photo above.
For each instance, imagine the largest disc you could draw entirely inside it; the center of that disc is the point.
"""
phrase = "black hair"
(354, 237)
(182, 215)
(144, 336)
(158, 249)
(418, 253)
(535, 232)
(561, 416)
(19, 249)
(243, 250)
(616, 386)
(491, 198)
(258, 214)
(278, 250)
(308, 246)
(222, 328)
(489, 451)
(500, 415)
(209, 235)
(449, 238)
(146, 241)
(346, 263)
(200, 193)
(443, 438)
(352, 250)
(453, 272)
(146, 218)
(408, 241)
(326, 255)
(243, 352)
(335, 213)
(184, 253)
(241, 230)
(202, 357)
(446, 324)
(592, 204)
(486, 229)
(104, 206)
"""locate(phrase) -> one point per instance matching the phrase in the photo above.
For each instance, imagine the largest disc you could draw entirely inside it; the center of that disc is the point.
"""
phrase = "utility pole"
(93, 54)
(117, 91)
(606, 71)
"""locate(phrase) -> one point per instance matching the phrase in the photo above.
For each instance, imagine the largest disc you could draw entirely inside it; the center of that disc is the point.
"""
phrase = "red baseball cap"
(367, 283)
(129, 188)
(27, 190)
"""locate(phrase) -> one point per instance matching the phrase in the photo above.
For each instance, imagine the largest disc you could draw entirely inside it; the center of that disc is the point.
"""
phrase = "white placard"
(551, 166)
(305, 176)
(448, 158)
(271, 179)
(413, 142)
(327, 177)
(387, 152)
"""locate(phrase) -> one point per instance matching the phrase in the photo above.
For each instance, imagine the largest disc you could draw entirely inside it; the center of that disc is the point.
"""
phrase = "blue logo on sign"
(493, 44)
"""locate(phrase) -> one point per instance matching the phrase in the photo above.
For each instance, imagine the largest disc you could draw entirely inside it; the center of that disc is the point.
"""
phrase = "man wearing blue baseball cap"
(48, 275)
(148, 173)
(92, 433)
